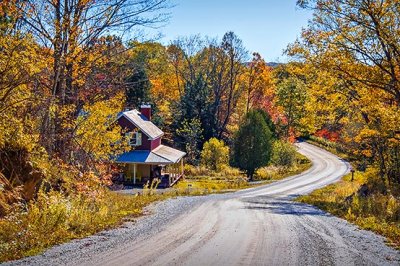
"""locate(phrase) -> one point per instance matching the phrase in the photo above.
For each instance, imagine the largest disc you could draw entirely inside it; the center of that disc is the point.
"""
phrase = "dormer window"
(134, 138)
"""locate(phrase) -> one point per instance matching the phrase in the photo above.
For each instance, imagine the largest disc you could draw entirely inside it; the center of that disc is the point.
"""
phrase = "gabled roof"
(169, 153)
(161, 155)
(144, 124)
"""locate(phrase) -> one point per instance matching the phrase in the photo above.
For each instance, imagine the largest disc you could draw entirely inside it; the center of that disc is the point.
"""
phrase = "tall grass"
(226, 172)
(55, 218)
(207, 185)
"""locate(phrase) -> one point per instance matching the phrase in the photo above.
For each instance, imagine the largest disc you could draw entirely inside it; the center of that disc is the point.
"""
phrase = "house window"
(134, 138)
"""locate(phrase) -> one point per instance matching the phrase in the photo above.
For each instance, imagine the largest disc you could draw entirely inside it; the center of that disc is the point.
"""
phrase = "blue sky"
(265, 26)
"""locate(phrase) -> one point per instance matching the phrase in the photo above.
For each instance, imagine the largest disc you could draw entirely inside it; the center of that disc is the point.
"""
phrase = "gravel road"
(258, 226)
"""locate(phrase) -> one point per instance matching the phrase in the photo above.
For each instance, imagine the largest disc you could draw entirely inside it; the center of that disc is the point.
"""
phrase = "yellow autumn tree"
(353, 47)
(97, 134)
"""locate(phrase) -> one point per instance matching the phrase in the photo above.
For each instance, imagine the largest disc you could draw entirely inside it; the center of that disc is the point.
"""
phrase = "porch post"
(174, 170)
(182, 167)
(170, 174)
(134, 173)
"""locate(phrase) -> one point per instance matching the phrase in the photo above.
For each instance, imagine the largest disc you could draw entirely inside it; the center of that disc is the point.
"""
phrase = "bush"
(192, 171)
(265, 173)
(283, 154)
(215, 154)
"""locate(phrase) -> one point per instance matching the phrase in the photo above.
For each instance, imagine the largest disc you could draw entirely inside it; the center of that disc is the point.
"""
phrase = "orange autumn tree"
(60, 77)
(154, 78)
(259, 82)
(20, 68)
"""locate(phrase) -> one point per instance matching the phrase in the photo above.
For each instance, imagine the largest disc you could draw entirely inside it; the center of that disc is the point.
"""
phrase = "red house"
(148, 158)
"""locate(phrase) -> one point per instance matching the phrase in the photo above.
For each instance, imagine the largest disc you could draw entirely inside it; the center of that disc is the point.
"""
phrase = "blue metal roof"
(161, 155)
(141, 157)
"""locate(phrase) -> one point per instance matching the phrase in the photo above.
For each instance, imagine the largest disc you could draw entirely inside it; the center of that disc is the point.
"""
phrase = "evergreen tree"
(195, 105)
(138, 84)
(138, 89)
(191, 136)
(269, 122)
(252, 144)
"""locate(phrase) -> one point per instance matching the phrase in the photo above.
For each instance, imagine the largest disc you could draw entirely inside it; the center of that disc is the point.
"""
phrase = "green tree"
(209, 72)
(191, 135)
(138, 88)
(215, 154)
(269, 121)
(291, 97)
(252, 144)
(195, 104)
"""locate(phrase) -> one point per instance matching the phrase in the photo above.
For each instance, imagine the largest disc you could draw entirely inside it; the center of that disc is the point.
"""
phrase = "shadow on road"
(284, 207)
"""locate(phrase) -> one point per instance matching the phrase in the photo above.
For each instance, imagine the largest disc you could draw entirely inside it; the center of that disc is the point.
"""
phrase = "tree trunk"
(250, 175)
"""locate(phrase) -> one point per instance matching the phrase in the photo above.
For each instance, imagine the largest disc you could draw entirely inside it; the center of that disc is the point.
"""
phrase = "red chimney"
(145, 109)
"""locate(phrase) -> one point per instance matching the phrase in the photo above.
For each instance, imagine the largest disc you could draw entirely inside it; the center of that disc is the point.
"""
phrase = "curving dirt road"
(259, 226)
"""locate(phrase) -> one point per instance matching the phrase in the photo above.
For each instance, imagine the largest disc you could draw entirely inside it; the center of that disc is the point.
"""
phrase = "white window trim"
(134, 138)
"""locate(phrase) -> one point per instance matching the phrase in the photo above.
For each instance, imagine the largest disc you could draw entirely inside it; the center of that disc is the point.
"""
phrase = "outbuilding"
(149, 158)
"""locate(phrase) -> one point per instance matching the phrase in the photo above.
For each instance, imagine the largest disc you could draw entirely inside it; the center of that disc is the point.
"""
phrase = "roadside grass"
(365, 201)
(362, 202)
(199, 179)
(55, 217)
(274, 173)
(207, 185)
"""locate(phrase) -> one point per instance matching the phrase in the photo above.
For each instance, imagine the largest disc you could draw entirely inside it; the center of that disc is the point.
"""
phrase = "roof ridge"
(126, 115)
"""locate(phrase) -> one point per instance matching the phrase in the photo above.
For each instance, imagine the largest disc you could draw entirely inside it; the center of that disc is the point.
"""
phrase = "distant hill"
(273, 64)
(270, 64)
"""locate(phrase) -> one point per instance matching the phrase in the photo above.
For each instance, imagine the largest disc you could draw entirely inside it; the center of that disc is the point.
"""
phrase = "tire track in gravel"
(167, 243)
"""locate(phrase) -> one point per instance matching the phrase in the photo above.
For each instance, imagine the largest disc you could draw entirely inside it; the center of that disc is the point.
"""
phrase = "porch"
(139, 167)
(136, 174)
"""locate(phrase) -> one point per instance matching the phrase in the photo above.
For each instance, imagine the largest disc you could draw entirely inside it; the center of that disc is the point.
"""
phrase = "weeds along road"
(259, 226)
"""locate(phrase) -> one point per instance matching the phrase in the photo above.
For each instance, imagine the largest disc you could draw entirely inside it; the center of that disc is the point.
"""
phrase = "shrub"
(192, 171)
(283, 154)
(215, 154)
(265, 173)
(199, 172)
